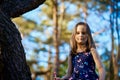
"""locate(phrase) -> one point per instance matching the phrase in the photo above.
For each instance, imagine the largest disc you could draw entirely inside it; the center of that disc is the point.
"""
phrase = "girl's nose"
(80, 34)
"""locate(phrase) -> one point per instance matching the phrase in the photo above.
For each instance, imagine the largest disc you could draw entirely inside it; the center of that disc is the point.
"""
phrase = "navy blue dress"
(83, 67)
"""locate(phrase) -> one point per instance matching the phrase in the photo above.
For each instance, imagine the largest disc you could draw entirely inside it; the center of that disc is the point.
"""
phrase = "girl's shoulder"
(92, 49)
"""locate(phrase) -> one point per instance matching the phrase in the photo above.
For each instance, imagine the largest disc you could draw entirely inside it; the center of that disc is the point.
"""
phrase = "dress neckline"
(80, 52)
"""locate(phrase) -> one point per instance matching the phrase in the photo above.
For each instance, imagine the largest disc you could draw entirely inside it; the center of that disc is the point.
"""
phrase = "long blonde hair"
(89, 43)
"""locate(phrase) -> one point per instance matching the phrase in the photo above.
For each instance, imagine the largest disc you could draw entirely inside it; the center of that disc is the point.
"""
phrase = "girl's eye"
(83, 32)
(77, 32)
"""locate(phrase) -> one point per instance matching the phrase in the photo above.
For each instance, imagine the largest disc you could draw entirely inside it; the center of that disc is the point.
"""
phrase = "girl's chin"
(81, 43)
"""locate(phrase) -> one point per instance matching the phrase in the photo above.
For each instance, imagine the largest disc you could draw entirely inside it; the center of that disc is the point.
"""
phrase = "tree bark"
(113, 59)
(15, 8)
(56, 36)
(12, 52)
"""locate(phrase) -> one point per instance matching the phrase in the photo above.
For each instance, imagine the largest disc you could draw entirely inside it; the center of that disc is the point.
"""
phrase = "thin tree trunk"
(115, 62)
(56, 34)
(85, 12)
(114, 66)
(118, 52)
(112, 47)
(62, 13)
(50, 66)
(117, 30)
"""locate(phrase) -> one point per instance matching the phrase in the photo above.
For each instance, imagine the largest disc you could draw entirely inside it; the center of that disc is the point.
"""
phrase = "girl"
(83, 56)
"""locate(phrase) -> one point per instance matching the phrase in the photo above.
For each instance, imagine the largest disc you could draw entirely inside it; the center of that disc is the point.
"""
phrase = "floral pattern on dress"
(83, 67)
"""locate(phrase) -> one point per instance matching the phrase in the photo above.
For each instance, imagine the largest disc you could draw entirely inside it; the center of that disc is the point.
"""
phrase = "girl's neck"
(81, 48)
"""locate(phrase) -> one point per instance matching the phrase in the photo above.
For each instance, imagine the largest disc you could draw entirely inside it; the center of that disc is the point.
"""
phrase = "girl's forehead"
(81, 28)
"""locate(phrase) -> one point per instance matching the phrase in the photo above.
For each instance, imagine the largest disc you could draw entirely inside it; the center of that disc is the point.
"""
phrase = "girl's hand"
(56, 78)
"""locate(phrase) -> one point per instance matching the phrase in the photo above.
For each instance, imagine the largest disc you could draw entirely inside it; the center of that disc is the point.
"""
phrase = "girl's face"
(81, 35)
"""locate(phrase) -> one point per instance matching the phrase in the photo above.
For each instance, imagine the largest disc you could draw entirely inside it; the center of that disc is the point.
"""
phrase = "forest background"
(46, 32)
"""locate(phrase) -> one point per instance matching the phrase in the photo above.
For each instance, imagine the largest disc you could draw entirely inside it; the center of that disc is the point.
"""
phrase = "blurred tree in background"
(48, 45)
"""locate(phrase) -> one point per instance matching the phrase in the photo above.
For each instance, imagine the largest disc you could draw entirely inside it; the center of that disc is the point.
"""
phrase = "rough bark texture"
(12, 52)
(15, 8)
(13, 64)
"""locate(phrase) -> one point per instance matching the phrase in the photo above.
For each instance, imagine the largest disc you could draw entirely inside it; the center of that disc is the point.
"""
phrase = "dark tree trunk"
(13, 64)
(12, 52)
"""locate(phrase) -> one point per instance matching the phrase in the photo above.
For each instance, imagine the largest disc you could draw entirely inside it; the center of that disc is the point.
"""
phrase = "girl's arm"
(69, 71)
(98, 63)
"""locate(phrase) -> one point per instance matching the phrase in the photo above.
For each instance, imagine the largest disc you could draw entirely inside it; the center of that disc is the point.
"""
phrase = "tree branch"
(15, 8)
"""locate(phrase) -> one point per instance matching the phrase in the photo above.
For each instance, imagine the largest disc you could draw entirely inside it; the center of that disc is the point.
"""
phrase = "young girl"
(83, 56)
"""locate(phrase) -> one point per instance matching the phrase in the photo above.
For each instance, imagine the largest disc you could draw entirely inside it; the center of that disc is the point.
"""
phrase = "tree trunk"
(56, 36)
(113, 60)
(50, 66)
(12, 52)
(85, 12)
(112, 47)
(62, 13)
(118, 36)
(117, 30)
(13, 64)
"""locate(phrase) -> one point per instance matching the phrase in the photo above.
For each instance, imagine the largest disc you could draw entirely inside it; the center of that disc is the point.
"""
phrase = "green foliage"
(25, 26)
(63, 68)
(48, 9)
